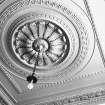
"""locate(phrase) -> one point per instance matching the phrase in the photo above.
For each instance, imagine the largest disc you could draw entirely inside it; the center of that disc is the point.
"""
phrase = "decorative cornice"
(1, 1)
(7, 85)
(6, 93)
(2, 101)
(90, 98)
(11, 79)
(5, 97)
(73, 79)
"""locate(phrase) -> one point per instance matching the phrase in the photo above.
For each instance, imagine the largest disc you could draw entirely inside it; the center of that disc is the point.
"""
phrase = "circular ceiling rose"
(61, 31)
(28, 38)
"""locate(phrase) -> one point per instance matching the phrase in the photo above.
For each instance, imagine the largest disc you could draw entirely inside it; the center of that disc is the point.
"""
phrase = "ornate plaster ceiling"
(64, 32)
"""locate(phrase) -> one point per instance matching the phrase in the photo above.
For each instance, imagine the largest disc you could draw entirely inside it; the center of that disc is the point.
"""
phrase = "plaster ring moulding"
(63, 30)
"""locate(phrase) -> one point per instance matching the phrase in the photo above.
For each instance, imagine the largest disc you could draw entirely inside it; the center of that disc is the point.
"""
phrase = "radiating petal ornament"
(27, 42)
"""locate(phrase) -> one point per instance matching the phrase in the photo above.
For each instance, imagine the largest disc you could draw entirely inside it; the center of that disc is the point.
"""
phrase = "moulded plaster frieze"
(5, 97)
(2, 101)
(5, 81)
(1, 1)
(87, 99)
(12, 80)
